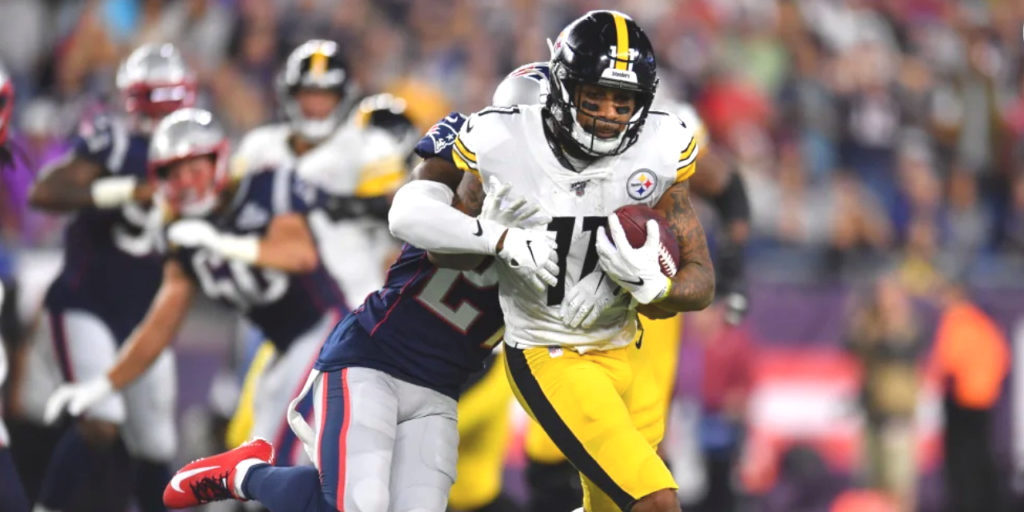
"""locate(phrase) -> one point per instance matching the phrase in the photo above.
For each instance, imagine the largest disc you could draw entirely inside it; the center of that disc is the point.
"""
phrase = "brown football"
(634, 217)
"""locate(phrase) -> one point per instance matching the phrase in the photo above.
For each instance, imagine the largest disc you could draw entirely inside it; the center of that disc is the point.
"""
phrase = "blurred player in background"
(554, 483)
(354, 150)
(244, 243)
(12, 495)
(385, 387)
(111, 272)
(570, 369)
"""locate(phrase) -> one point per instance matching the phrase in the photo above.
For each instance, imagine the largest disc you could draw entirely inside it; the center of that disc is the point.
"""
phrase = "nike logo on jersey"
(469, 124)
(479, 229)
(638, 282)
(178, 478)
(532, 257)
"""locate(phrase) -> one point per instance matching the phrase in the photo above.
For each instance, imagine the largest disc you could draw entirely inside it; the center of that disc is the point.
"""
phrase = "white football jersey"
(357, 160)
(509, 144)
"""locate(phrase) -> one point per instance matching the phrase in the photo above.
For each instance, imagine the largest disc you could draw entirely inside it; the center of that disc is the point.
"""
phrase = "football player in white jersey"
(354, 150)
(594, 146)
(553, 482)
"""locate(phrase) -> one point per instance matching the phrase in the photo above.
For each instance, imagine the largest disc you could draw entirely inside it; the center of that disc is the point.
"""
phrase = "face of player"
(190, 181)
(317, 103)
(604, 111)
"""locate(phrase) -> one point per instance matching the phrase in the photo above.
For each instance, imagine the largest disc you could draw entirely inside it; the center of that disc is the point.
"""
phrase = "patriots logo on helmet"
(537, 72)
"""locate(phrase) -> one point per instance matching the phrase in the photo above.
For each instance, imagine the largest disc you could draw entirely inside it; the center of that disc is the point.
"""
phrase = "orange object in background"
(864, 500)
(972, 351)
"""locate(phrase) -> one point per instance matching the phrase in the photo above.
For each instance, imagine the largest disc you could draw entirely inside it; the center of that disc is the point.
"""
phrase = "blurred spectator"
(805, 483)
(196, 27)
(38, 142)
(971, 358)
(863, 501)
(885, 337)
(728, 372)
(1014, 222)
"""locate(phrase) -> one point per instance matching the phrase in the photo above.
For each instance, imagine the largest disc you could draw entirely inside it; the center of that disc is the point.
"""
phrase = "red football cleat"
(213, 478)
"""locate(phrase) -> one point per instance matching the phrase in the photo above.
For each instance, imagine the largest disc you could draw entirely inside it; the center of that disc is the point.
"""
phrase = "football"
(634, 219)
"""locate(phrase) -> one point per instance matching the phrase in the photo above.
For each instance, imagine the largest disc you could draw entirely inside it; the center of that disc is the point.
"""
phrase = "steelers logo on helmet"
(641, 184)
(316, 65)
(607, 49)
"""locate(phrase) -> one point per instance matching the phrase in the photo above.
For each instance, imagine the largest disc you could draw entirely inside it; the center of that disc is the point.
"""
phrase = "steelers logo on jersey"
(641, 184)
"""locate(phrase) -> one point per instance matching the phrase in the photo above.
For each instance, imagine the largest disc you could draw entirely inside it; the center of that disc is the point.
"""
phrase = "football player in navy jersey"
(245, 244)
(111, 270)
(12, 496)
(384, 386)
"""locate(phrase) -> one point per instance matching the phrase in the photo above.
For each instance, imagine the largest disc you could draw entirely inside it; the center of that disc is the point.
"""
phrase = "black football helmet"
(388, 112)
(605, 48)
(315, 64)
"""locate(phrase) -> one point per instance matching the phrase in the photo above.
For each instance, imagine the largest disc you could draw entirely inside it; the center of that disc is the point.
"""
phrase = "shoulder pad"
(440, 137)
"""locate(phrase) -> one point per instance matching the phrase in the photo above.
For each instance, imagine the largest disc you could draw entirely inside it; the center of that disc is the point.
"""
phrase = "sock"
(12, 495)
(553, 487)
(150, 480)
(71, 460)
(286, 489)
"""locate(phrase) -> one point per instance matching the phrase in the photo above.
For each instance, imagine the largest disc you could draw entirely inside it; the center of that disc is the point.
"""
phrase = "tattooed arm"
(693, 286)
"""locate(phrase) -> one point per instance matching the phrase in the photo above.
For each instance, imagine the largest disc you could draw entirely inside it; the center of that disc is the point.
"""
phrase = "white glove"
(518, 213)
(635, 269)
(193, 233)
(76, 397)
(587, 299)
(531, 254)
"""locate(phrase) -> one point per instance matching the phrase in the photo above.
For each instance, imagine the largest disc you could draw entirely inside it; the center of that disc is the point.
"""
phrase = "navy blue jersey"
(282, 305)
(112, 264)
(429, 326)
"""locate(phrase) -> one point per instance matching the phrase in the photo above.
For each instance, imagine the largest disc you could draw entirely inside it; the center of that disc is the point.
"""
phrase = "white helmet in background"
(526, 85)
(154, 81)
(184, 134)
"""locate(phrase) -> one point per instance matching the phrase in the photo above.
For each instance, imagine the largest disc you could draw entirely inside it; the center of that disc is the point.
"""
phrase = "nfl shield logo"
(580, 187)
(641, 184)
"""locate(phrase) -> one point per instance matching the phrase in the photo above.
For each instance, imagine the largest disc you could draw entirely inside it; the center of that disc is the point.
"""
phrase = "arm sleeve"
(422, 214)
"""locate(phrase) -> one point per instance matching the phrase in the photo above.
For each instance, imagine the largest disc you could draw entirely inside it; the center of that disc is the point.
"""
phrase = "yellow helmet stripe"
(621, 42)
(318, 63)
